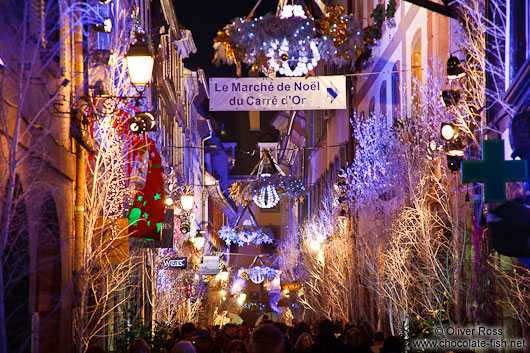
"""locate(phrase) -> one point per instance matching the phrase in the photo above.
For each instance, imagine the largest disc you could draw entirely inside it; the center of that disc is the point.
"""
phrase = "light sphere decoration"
(257, 277)
(267, 197)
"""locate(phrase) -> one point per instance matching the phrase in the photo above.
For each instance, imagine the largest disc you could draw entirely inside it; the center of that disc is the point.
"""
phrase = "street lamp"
(454, 159)
(104, 27)
(454, 68)
(142, 122)
(140, 61)
(199, 241)
(224, 274)
(448, 131)
(186, 201)
(450, 97)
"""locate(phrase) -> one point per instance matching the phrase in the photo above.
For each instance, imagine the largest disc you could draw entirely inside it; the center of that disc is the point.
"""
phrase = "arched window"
(415, 62)
(382, 98)
(16, 274)
(396, 91)
(415, 59)
(48, 274)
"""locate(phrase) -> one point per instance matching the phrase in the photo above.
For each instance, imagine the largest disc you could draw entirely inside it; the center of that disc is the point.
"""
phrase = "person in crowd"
(355, 342)
(287, 344)
(237, 346)
(95, 348)
(394, 344)
(188, 331)
(241, 334)
(139, 345)
(266, 339)
(303, 343)
(183, 347)
(379, 339)
(204, 343)
(326, 341)
(229, 333)
(298, 329)
(175, 333)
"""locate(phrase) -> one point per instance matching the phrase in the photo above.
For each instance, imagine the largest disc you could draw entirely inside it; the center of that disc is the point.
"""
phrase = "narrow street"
(304, 176)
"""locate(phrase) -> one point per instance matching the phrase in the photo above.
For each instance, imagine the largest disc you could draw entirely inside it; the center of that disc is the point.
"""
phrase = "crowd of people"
(273, 337)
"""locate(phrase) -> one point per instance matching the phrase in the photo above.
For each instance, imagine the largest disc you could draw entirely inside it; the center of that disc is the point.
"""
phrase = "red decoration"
(147, 210)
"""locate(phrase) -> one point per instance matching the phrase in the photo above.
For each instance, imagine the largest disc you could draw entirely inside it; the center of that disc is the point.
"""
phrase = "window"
(50, 31)
(382, 98)
(396, 92)
(415, 62)
(519, 35)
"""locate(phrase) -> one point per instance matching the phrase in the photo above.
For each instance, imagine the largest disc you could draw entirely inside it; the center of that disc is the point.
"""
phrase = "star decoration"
(157, 196)
(262, 59)
(140, 198)
(146, 215)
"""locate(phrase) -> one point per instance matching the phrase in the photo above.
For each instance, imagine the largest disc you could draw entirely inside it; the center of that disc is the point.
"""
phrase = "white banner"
(280, 93)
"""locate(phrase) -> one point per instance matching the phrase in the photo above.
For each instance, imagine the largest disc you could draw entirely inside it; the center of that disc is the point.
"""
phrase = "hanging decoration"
(146, 213)
(258, 274)
(242, 236)
(245, 234)
(268, 186)
(292, 42)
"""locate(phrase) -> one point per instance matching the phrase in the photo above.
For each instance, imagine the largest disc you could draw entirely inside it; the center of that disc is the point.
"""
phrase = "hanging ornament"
(294, 42)
(246, 234)
(258, 273)
(270, 182)
(267, 197)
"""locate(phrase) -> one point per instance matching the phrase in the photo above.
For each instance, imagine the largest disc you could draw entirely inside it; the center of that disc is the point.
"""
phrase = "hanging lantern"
(140, 61)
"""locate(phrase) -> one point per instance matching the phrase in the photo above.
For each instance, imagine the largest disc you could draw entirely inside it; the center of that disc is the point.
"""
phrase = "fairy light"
(114, 179)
